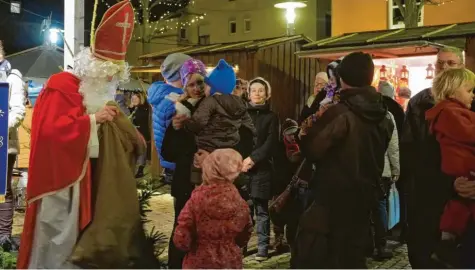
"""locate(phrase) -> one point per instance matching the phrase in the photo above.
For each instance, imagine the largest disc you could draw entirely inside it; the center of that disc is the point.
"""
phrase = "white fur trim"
(269, 88)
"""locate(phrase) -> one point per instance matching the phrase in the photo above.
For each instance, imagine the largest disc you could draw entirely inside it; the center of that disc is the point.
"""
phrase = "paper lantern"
(404, 73)
(430, 72)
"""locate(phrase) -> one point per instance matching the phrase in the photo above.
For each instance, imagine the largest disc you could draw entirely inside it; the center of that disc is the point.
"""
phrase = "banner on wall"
(4, 96)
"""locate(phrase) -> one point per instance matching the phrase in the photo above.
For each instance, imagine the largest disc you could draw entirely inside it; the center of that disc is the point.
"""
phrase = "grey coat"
(391, 159)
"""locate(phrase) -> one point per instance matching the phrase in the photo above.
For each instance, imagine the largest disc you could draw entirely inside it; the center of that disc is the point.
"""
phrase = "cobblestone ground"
(162, 218)
(399, 261)
(162, 215)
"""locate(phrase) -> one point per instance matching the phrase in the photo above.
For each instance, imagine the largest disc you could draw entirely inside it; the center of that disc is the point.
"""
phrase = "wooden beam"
(385, 35)
(381, 54)
(470, 53)
(439, 30)
(336, 39)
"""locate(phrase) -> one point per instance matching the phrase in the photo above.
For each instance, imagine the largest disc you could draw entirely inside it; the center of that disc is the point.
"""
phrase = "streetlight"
(290, 15)
(53, 35)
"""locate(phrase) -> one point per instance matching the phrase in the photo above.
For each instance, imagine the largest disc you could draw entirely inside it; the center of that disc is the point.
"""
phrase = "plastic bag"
(394, 210)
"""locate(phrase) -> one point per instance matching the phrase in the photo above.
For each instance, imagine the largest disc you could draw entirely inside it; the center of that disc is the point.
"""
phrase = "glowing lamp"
(290, 14)
(430, 72)
(404, 73)
(383, 73)
(53, 35)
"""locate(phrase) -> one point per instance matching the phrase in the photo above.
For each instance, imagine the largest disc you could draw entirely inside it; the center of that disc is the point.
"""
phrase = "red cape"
(59, 157)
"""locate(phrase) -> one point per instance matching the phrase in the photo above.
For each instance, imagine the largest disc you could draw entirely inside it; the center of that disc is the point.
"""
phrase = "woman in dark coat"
(259, 163)
(140, 115)
(333, 85)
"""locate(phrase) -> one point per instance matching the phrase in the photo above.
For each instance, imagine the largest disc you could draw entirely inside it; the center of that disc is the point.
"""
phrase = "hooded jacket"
(163, 110)
(349, 142)
(453, 124)
(216, 122)
(212, 227)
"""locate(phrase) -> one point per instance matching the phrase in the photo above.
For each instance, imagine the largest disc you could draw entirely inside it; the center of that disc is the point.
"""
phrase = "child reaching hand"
(453, 124)
(218, 118)
(215, 222)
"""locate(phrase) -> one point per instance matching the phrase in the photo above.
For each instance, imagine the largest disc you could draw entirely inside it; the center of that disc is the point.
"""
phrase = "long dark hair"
(333, 67)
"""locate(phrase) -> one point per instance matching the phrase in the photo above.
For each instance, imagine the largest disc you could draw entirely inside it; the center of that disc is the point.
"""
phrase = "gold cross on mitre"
(124, 25)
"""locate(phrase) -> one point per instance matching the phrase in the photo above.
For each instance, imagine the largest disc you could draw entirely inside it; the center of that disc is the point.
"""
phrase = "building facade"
(208, 22)
(350, 16)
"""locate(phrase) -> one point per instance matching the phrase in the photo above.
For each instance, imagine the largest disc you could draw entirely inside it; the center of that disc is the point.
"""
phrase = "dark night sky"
(23, 31)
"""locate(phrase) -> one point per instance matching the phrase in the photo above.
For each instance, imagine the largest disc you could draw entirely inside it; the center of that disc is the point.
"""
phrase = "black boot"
(447, 252)
(139, 173)
(383, 253)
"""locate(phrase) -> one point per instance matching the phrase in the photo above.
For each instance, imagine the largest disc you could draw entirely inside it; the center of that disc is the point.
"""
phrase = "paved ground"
(162, 218)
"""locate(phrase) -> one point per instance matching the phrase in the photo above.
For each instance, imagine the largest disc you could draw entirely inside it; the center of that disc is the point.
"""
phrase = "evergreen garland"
(7, 259)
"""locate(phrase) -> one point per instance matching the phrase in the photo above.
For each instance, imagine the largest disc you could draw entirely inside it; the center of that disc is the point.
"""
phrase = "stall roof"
(393, 42)
(234, 46)
(37, 63)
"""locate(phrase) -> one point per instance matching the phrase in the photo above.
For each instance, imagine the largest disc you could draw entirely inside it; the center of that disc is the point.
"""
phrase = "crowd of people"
(323, 180)
(351, 146)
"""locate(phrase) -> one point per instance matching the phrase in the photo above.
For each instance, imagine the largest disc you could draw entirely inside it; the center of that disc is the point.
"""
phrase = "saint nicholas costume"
(84, 214)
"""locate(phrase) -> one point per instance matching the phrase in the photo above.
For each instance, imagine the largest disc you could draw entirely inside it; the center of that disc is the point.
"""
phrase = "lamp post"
(290, 15)
(73, 29)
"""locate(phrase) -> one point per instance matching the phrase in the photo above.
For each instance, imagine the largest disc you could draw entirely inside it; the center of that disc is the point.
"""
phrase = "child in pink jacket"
(215, 222)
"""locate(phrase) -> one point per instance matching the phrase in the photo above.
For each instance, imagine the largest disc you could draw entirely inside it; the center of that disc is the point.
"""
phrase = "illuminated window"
(396, 20)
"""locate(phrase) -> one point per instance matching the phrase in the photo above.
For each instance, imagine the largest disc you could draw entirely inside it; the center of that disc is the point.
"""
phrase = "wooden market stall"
(403, 57)
(274, 59)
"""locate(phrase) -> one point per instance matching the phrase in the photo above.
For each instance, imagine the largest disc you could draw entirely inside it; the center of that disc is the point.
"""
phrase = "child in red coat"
(453, 124)
(216, 221)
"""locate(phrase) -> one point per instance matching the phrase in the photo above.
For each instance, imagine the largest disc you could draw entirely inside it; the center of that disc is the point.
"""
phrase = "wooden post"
(470, 53)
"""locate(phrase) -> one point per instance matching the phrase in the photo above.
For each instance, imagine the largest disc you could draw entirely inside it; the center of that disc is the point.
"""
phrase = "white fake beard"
(97, 92)
(95, 87)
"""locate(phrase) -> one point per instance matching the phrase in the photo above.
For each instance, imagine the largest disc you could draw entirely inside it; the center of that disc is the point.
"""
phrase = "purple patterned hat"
(191, 66)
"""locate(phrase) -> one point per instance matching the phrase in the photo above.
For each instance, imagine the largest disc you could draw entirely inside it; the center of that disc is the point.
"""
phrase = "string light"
(159, 24)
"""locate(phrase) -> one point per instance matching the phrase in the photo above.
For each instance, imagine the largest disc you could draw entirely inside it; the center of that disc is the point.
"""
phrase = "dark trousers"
(260, 216)
(175, 255)
(468, 247)
(7, 208)
(379, 212)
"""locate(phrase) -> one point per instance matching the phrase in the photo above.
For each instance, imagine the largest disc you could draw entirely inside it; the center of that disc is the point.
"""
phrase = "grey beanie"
(386, 89)
(171, 66)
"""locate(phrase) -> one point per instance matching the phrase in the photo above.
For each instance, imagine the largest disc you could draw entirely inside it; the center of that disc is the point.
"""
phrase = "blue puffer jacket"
(163, 111)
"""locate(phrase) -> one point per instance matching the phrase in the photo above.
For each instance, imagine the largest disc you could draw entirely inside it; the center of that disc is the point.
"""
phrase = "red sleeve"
(243, 237)
(60, 133)
(183, 236)
(457, 124)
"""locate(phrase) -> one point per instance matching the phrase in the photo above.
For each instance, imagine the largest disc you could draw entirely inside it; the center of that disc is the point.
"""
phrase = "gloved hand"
(394, 178)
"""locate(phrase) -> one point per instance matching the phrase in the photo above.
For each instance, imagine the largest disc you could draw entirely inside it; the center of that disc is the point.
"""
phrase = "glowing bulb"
(53, 35)
(290, 15)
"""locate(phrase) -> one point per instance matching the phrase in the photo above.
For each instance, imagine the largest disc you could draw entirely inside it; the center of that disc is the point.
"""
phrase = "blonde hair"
(449, 81)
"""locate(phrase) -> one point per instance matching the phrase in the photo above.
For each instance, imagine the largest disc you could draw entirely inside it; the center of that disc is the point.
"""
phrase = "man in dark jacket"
(429, 187)
(348, 143)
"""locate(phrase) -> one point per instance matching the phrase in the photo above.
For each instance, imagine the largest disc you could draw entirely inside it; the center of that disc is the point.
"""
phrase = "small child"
(215, 223)
(453, 124)
(219, 116)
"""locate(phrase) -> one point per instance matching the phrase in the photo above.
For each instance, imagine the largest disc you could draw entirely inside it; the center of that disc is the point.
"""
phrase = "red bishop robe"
(59, 157)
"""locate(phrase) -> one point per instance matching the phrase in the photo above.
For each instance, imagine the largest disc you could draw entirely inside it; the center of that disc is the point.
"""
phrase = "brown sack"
(116, 237)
